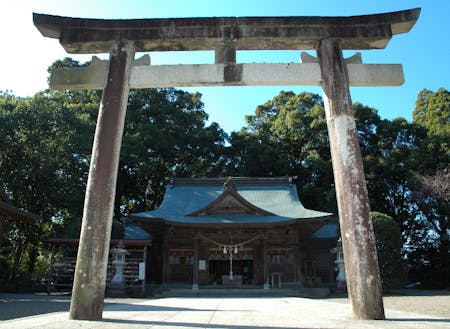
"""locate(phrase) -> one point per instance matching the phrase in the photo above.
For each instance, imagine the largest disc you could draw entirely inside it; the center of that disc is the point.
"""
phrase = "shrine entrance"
(231, 267)
(328, 36)
(219, 273)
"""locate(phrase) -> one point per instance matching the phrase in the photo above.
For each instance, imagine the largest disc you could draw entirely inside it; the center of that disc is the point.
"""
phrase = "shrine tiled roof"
(135, 232)
(327, 231)
(249, 201)
(9, 212)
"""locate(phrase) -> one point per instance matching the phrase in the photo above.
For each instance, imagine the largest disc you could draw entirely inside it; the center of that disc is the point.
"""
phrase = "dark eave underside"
(234, 224)
(81, 35)
(159, 226)
(136, 243)
(9, 212)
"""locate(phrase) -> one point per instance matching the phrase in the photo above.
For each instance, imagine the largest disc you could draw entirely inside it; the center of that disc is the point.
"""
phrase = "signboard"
(142, 271)
(202, 265)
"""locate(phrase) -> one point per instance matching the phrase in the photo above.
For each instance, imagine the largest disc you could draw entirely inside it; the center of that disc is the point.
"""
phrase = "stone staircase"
(213, 291)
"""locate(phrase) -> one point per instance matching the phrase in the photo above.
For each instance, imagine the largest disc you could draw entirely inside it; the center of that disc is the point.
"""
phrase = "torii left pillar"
(91, 268)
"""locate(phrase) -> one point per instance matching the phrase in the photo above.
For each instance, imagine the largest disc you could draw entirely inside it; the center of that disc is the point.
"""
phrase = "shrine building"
(9, 213)
(238, 232)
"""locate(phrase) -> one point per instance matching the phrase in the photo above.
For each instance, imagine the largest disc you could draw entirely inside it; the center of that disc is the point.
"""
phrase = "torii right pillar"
(358, 240)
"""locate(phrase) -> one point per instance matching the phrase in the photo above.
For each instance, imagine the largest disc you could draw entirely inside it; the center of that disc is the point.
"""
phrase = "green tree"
(46, 148)
(433, 111)
(389, 246)
(288, 136)
(165, 135)
(430, 247)
(389, 168)
(41, 166)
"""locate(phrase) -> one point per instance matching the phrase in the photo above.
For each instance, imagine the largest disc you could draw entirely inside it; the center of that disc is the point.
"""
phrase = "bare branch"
(437, 185)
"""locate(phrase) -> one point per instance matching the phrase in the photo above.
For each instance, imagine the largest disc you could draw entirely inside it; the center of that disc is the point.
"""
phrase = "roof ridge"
(283, 180)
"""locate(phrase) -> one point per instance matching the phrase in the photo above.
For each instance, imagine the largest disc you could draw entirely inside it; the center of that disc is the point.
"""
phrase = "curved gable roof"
(230, 201)
(186, 199)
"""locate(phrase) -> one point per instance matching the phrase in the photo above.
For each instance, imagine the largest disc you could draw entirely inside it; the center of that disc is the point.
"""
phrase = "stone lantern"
(117, 286)
(341, 281)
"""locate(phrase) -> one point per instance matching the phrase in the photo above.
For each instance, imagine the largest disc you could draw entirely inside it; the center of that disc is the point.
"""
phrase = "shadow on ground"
(14, 306)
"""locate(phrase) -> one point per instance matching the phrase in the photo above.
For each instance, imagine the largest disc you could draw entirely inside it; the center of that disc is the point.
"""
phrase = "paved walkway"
(228, 313)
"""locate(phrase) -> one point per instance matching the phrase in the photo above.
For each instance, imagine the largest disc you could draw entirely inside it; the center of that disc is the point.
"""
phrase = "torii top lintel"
(89, 36)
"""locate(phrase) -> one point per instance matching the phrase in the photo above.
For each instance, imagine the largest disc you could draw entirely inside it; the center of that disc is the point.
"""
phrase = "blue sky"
(424, 51)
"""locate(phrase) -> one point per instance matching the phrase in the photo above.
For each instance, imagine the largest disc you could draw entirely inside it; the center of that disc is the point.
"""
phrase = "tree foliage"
(47, 141)
(389, 246)
(433, 111)
(46, 149)
(429, 245)
(165, 136)
(40, 167)
(288, 136)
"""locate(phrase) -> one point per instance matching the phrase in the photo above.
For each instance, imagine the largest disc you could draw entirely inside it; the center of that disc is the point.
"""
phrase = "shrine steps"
(211, 292)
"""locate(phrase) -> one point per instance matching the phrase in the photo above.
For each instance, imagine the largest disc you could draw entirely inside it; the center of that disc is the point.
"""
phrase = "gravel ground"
(426, 302)
(432, 303)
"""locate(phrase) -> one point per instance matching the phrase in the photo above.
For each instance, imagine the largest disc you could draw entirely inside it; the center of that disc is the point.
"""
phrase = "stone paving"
(228, 313)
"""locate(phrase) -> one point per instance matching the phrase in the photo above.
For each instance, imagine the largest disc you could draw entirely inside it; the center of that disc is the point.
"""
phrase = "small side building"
(238, 232)
(135, 240)
(9, 213)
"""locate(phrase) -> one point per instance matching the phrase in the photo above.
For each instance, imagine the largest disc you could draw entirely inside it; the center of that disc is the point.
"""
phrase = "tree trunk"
(18, 255)
(33, 253)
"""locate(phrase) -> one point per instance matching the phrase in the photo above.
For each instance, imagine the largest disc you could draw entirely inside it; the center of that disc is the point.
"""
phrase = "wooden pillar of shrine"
(265, 262)
(195, 264)
(299, 277)
(165, 256)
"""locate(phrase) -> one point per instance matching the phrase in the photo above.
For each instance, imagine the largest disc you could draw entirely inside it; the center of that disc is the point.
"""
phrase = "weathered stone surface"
(92, 259)
(225, 52)
(251, 74)
(80, 35)
(358, 240)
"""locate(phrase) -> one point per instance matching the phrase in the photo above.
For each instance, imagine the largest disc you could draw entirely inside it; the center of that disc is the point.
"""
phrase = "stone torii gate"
(226, 35)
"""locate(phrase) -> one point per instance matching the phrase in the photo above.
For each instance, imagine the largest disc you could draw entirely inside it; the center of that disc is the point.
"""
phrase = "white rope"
(239, 245)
